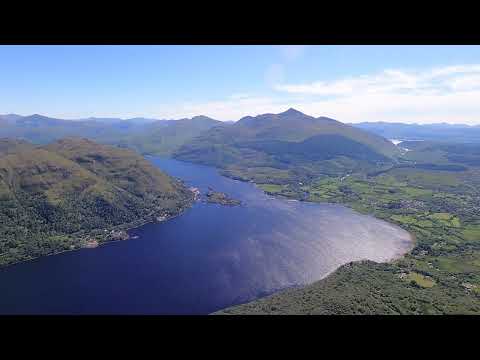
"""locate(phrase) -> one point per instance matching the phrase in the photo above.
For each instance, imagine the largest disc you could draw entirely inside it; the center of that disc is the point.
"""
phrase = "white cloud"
(467, 82)
(437, 80)
(231, 108)
(443, 94)
(427, 108)
(449, 94)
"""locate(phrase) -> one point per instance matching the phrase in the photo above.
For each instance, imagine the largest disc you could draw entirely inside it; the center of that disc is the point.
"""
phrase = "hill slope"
(289, 140)
(58, 197)
(8, 146)
(166, 136)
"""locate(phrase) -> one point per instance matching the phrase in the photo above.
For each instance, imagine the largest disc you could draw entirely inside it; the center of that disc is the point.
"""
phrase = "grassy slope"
(122, 167)
(55, 198)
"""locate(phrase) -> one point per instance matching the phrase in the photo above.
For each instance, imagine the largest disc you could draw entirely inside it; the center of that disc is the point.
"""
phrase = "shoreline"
(222, 172)
(327, 275)
(129, 226)
(393, 259)
(287, 198)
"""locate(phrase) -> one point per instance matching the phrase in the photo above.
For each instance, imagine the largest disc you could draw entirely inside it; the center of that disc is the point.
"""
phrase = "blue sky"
(422, 84)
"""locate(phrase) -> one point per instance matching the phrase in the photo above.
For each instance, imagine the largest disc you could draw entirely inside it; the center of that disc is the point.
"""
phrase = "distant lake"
(210, 257)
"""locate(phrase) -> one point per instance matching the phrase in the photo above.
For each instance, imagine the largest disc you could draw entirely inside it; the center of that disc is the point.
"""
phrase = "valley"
(431, 191)
(210, 257)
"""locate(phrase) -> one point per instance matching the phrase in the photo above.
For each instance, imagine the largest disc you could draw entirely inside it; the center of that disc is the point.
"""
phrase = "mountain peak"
(36, 117)
(201, 117)
(292, 111)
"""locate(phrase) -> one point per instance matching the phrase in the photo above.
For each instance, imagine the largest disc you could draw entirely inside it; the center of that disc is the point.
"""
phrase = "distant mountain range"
(434, 132)
(152, 136)
(287, 140)
(137, 120)
(159, 137)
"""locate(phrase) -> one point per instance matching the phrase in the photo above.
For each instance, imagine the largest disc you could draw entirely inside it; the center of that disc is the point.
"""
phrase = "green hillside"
(163, 138)
(290, 141)
(69, 193)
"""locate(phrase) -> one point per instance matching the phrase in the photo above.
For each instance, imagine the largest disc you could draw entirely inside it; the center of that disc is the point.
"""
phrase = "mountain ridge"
(152, 136)
(266, 140)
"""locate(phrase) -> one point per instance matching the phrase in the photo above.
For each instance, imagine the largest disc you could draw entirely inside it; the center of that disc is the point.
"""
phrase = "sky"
(410, 84)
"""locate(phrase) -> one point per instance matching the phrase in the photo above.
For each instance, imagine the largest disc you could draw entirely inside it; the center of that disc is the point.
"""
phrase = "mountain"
(9, 118)
(289, 140)
(152, 136)
(140, 120)
(59, 196)
(433, 132)
(41, 129)
(166, 136)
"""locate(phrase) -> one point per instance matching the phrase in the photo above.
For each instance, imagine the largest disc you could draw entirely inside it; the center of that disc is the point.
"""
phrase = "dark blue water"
(210, 257)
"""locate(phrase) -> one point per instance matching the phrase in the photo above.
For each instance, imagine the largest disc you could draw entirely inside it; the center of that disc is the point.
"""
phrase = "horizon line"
(154, 119)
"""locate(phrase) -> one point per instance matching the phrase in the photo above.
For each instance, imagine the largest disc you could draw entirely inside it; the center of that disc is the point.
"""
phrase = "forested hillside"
(73, 193)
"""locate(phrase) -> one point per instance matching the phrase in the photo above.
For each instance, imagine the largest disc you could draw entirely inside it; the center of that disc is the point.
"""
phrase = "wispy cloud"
(232, 108)
(441, 94)
(434, 81)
